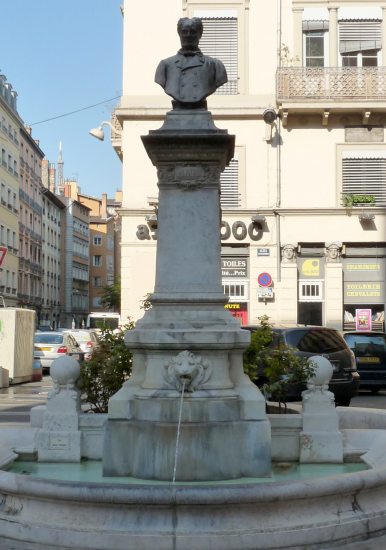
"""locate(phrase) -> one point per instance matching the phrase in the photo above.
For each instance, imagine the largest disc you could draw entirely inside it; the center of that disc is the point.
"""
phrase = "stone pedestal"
(187, 341)
(59, 440)
(320, 441)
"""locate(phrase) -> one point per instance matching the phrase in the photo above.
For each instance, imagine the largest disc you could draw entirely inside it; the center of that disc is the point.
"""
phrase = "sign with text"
(263, 252)
(363, 319)
(3, 252)
(234, 267)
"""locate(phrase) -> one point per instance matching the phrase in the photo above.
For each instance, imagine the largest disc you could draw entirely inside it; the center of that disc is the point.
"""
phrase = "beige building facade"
(303, 200)
(10, 124)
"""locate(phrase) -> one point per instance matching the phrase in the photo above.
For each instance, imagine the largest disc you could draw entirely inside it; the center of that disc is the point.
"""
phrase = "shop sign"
(364, 292)
(310, 268)
(239, 310)
(3, 253)
(363, 319)
(234, 267)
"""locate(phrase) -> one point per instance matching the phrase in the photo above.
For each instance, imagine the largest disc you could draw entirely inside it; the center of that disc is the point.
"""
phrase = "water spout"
(183, 381)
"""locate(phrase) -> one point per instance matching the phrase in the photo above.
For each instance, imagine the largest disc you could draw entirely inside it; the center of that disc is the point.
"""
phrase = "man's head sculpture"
(189, 77)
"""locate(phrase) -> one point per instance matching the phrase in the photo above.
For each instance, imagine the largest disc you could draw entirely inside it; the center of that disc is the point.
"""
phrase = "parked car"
(87, 339)
(50, 345)
(369, 349)
(309, 341)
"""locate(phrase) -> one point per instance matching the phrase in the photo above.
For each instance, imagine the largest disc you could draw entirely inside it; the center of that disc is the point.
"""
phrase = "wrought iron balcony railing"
(346, 84)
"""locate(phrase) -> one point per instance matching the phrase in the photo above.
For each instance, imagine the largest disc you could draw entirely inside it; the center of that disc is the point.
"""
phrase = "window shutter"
(219, 40)
(365, 174)
(229, 185)
(359, 35)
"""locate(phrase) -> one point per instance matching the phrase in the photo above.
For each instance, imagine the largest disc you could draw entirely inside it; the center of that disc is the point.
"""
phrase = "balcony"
(325, 89)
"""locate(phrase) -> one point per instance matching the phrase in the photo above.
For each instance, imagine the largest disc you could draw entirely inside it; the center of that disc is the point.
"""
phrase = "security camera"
(269, 115)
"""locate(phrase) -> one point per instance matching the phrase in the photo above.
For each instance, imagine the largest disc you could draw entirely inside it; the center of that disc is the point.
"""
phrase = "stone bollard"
(320, 440)
(59, 440)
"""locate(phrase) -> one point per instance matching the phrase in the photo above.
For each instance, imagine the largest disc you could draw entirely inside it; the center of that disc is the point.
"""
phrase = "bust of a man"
(190, 76)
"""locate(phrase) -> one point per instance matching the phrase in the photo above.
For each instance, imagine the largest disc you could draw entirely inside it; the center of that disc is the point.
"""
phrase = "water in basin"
(91, 471)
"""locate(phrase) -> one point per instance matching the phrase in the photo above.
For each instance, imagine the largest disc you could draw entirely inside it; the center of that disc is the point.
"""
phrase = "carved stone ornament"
(333, 252)
(288, 253)
(188, 176)
(188, 371)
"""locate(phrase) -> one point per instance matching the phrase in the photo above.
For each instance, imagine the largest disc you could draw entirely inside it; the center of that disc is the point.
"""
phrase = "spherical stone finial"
(65, 370)
(323, 370)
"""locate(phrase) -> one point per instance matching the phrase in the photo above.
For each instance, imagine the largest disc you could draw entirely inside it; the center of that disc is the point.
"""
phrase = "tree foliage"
(106, 371)
(111, 296)
(277, 366)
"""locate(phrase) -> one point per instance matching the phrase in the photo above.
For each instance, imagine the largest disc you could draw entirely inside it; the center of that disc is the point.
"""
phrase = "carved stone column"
(187, 340)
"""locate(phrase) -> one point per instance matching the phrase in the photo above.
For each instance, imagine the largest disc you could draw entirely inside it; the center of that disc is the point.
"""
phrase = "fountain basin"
(318, 512)
(313, 513)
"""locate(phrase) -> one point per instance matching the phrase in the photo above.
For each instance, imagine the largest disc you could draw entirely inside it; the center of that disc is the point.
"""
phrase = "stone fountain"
(188, 381)
(187, 335)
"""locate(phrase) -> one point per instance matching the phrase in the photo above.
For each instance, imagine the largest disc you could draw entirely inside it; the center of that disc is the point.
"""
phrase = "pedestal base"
(206, 450)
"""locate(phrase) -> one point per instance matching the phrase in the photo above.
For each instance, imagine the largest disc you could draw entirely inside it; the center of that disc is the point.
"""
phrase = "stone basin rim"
(243, 493)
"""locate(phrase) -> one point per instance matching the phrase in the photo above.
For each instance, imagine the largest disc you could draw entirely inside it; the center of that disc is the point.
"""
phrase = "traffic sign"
(3, 252)
(264, 279)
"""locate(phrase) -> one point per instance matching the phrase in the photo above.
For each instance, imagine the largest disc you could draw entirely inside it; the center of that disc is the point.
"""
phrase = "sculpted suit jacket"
(190, 78)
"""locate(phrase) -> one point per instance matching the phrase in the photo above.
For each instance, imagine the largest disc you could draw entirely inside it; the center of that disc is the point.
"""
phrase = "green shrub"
(106, 371)
(279, 365)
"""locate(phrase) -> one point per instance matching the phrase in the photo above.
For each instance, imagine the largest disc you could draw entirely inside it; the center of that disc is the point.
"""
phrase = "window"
(236, 290)
(229, 185)
(220, 40)
(314, 48)
(360, 42)
(97, 240)
(97, 281)
(364, 173)
(310, 291)
(97, 261)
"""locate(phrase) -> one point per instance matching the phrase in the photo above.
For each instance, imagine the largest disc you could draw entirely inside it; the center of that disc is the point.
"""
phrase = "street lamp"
(99, 133)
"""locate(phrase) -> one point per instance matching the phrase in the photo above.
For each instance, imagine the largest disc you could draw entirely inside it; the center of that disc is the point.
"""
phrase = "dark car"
(309, 341)
(370, 354)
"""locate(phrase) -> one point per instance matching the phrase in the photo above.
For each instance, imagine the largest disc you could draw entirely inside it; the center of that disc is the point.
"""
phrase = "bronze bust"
(189, 77)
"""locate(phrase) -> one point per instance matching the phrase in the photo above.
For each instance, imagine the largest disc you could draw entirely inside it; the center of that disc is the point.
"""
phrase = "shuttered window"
(359, 35)
(364, 173)
(229, 185)
(219, 40)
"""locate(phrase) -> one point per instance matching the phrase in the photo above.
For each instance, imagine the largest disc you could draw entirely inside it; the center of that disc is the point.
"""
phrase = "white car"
(87, 340)
(50, 345)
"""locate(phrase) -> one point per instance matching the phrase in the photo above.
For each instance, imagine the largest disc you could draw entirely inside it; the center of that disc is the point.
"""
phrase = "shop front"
(364, 289)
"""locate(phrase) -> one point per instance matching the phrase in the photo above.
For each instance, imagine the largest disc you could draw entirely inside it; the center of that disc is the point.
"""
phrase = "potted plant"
(350, 200)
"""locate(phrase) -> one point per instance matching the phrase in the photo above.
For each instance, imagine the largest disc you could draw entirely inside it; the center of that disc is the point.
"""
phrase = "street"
(16, 401)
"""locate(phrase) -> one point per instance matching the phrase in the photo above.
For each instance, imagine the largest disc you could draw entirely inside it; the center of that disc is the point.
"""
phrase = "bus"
(103, 320)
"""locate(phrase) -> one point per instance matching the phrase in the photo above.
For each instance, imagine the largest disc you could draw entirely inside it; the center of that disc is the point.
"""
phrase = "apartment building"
(75, 262)
(53, 222)
(104, 246)
(30, 223)
(303, 200)
(10, 123)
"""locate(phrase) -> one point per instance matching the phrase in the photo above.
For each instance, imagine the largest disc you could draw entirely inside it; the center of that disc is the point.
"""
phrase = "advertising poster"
(363, 319)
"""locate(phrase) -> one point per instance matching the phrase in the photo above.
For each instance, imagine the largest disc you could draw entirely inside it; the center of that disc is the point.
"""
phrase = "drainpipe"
(278, 150)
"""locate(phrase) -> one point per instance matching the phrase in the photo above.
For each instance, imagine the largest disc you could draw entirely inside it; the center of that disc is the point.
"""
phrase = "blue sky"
(61, 56)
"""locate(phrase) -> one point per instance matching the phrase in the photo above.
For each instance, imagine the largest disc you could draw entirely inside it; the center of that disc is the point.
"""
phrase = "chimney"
(104, 206)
